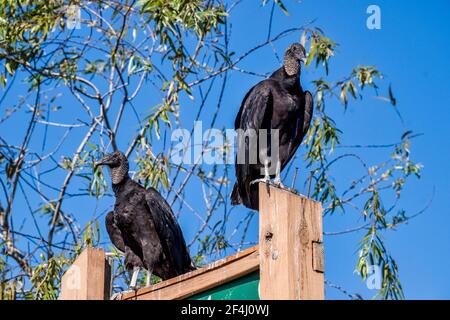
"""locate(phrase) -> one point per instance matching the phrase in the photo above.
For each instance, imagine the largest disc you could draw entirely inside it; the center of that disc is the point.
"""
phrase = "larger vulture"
(278, 102)
(143, 226)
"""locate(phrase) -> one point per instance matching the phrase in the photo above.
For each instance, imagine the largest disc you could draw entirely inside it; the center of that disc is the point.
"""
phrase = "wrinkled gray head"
(293, 55)
(118, 165)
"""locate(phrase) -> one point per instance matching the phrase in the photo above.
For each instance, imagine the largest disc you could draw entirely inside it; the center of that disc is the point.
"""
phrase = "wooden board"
(88, 278)
(189, 284)
(243, 288)
(291, 265)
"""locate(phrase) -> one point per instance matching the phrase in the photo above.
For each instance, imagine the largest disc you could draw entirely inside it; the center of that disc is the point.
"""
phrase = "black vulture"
(143, 226)
(277, 103)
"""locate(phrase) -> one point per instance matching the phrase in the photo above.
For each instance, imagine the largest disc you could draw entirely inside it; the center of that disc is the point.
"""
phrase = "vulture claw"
(279, 184)
(263, 180)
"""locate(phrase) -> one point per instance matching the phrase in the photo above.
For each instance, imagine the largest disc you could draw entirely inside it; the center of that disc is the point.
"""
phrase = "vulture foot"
(265, 180)
(118, 295)
(134, 277)
(277, 182)
(148, 281)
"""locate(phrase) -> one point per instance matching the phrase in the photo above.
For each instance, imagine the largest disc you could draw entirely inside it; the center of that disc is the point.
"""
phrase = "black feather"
(144, 227)
(278, 102)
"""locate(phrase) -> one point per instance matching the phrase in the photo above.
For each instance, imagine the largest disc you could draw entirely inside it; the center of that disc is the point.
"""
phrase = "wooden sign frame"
(289, 257)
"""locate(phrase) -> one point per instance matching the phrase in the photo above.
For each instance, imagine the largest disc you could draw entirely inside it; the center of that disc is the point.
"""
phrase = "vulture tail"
(235, 196)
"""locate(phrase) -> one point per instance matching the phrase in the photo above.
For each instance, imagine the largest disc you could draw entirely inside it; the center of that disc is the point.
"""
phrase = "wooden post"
(290, 246)
(89, 277)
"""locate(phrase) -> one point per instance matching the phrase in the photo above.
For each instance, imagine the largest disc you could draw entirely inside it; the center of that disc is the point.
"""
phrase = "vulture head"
(293, 55)
(118, 165)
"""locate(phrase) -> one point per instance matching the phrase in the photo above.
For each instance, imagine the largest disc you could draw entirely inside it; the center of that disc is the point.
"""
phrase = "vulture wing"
(255, 107)
(255, 113)
(169, 232)
(301, 129)
(114, 233)
(309, 109)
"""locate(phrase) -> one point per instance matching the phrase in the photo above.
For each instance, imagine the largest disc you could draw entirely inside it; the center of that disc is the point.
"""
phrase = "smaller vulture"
(143, 226)
(277, 103)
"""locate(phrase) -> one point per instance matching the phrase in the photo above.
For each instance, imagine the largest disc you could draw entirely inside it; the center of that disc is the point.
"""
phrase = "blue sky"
(412, 51)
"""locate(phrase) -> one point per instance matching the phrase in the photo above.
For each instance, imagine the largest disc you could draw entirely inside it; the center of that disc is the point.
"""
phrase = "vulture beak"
(98, 164)
(303, 59)
(102, 162)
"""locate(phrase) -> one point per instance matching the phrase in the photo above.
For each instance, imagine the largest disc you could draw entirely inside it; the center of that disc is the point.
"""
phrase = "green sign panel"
(245, 288)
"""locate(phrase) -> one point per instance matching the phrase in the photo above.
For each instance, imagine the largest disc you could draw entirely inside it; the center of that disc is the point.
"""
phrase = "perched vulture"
(143, 226)
(278, 102)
